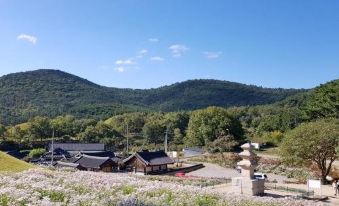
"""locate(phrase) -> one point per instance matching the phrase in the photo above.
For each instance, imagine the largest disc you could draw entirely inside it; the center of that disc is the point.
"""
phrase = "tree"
(323, 101)
(154, 132)
(224, 143)
(313, 142)
(178, 137)
(135, 122)
(40, 127)
(273, 138)
(206, 125)
(64, 125)
(2, 132)
(99, 132)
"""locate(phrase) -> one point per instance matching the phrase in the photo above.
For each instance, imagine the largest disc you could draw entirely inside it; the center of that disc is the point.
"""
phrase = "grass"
(11, 164)
(216, 158)
(273, 151)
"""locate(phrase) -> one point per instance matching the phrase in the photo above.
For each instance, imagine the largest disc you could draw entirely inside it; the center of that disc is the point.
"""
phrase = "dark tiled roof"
(18, 154)
(100, 154)
(93, 162)
(68, 164)
(152, 158)
(79, 146)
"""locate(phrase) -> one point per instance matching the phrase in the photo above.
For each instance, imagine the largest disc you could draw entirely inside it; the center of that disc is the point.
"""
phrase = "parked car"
(260, 176)
(238, 168)
(180, 174)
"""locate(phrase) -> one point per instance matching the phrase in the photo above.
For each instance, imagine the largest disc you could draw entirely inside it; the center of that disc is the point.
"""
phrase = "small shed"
(148, 162)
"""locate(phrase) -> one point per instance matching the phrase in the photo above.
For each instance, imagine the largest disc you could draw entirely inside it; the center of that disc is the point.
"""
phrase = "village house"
(61, 164)
(146, 162)
(82, 156)
(90, 163)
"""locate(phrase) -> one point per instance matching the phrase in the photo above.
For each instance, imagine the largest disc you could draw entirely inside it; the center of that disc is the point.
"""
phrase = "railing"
(302, 192)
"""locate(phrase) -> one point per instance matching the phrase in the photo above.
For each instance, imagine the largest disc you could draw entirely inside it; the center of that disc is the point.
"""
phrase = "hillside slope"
(53, 92)
(11, 164)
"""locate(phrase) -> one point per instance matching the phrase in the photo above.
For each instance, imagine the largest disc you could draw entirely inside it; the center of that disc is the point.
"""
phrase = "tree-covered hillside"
(52, 93)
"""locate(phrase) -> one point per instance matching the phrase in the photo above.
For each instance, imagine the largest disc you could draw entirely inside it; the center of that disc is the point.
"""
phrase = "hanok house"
(61, 164)
(148, 162)
(92, 163)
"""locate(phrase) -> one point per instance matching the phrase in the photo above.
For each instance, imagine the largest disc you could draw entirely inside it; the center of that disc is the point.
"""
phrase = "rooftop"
(152, 158)
(78, 146)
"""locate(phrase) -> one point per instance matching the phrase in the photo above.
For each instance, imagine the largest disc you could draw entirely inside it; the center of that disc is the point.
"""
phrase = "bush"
(5, 200)
(36, 153)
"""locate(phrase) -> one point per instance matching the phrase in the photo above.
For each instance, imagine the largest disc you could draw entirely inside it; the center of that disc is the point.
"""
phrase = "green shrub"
(54, 196)
(127, 190)
(4, 200)
(206, 200)
(36, 153)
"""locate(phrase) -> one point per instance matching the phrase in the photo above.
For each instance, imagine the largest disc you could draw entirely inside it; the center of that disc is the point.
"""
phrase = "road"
(216, 171)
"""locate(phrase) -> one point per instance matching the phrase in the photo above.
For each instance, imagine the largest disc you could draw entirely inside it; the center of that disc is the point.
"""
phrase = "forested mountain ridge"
(52, 92)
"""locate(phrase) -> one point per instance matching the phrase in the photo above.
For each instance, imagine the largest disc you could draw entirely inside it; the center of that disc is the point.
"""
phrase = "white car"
(260, 176)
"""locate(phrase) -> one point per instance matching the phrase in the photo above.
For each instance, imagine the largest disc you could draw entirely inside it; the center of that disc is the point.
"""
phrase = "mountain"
(52, 92)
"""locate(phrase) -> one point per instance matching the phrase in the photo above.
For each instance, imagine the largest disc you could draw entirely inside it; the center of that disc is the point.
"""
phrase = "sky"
(151, 43)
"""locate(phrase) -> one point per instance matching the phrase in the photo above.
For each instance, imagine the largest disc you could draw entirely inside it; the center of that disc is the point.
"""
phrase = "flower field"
(47, 187)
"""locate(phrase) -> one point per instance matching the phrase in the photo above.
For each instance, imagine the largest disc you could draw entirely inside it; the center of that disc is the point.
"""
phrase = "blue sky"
(144, 44)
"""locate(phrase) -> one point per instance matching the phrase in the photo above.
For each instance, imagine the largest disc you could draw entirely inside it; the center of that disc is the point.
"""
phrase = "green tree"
(323, 102)
(98, 133)
(206, 124)
(223, 143)
(2, 132)
(40, 128)
(64, 125)
(154, 132)
(273, 138)
(178, 137)
(312, 142)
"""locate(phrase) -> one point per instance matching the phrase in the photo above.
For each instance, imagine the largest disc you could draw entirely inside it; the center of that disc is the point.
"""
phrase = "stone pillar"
(247, 184)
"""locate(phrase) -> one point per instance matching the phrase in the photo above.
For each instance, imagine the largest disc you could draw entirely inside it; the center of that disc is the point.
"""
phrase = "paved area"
(212, 170)
(216, 171)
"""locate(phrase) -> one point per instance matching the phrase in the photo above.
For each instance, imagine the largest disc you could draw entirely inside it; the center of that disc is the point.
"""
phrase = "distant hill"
(11, 164)
(52, 92)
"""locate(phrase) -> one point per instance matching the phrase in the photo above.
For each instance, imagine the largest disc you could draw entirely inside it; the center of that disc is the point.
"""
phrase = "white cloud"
(125, 62)
(153, 40)
(119, 69)
(212, 55)
(159, 59)
(142, 53)
(26, 37)
(178, 50)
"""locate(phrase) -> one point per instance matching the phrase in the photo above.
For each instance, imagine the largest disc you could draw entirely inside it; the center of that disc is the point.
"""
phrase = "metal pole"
(166, 138)
(127, 134)
(52, 159)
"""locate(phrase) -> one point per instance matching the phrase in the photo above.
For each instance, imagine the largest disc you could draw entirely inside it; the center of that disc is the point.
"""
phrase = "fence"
(302, 193)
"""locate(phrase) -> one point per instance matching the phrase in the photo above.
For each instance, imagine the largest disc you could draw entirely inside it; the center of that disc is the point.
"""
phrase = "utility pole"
(52, 158)
(127, 134)
(166, 138)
